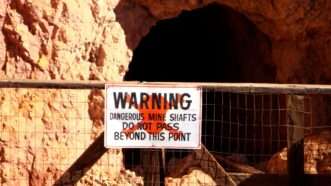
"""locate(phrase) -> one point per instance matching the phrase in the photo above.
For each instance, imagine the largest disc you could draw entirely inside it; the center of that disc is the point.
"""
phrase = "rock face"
(194, 177)
(42, 132)
(62, 40)
(40, 129)
(299, 32)
(317, 156)
(298, 29)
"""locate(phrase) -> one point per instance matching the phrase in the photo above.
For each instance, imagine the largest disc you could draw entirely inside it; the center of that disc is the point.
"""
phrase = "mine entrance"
(211, 44)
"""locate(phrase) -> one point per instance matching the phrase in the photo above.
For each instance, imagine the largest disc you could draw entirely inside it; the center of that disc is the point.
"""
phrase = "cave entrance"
(211, 44)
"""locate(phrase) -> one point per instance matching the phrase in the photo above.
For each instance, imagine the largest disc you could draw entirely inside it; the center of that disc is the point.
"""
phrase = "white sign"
(152, 116)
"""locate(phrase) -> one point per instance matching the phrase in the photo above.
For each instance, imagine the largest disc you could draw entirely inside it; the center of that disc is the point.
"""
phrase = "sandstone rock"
(136, 21)
(278, 163)
(298, 32)
(317, 155)
(20, 38)
(43, 131)
(279, 19)
(109, 65)
(52, 30)
(2, 39)
(194, 169)
(194, 177)
(39, 133)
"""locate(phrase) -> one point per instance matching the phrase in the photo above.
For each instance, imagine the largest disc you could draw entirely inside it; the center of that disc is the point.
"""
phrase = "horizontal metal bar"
(257, 87)
(228, 87)
(52, 84)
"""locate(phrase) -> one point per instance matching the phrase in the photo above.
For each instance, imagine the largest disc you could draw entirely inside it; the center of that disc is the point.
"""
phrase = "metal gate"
(252, 133)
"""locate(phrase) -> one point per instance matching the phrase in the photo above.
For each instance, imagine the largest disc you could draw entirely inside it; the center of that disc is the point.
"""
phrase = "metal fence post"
(295, 139)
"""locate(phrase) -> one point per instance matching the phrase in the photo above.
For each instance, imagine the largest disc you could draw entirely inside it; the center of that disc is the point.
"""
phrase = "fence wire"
(44, 131)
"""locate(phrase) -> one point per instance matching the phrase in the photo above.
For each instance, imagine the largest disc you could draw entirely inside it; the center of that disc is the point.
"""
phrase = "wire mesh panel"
(43, 131)
(252, 125)
(55, 136)
(241, 131)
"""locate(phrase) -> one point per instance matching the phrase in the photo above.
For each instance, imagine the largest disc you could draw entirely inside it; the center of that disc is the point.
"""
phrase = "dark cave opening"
(210, 44)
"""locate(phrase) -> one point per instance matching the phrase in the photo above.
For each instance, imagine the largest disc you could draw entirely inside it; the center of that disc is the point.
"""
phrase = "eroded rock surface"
(43, 131)
(317, 156)
(62, 40)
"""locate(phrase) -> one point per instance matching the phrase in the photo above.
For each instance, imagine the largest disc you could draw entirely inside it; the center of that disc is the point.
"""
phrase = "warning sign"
(152, 116)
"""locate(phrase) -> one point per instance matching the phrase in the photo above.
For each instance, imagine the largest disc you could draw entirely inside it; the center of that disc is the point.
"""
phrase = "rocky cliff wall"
(93, 40)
